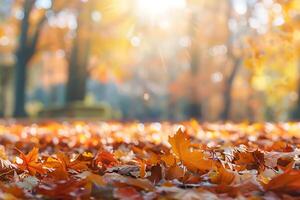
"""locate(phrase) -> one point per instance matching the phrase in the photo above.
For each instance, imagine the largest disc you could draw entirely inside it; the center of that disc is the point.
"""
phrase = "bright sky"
(155, 9)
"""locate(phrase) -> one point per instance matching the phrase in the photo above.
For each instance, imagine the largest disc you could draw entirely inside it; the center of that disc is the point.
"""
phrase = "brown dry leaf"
(95, 178)
(281, 147)
(128, 170)
(174, 172)
(156, 174)
(6, 166)
(14, 191)
(250, 160)
(123, 180)
(63, 189)
(92, 179)
(287, 182)
(127, 193)
(231, 161)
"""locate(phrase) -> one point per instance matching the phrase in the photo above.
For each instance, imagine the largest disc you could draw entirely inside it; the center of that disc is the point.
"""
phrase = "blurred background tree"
(274, 59)
(151, 59)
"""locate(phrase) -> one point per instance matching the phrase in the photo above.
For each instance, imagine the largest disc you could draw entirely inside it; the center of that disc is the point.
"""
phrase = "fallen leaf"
(135, 182)
(105, 159)
(30, 162)
(222, 176)
(192, 159)
(287, 182)
(63, 189)
(127, 193)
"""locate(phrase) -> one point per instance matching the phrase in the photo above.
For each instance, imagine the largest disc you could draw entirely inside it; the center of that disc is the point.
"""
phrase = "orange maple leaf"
(105, 159)
(30, 162)
(249, 160)
(77, 164)
(192, 159)
(62, 163)
(168, 159)
(222, 176)
(180, 143)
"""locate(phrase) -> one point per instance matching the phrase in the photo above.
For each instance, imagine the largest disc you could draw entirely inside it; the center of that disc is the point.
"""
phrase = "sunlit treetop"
(274, 53)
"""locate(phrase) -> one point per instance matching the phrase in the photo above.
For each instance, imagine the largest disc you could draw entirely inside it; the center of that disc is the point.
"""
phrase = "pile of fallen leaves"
(97, 160)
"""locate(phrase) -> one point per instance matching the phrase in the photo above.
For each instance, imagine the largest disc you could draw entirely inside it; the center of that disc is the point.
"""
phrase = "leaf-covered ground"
(80, 160)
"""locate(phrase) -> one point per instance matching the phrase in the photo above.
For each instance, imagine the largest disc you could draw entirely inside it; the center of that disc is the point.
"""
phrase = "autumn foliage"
(82, 160)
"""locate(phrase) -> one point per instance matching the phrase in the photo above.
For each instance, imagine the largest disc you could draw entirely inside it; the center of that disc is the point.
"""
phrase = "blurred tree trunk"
(78, 61)
(2, 92)
(295, 114)
(236, 62)
(194, 109)
(25, 51)
(228, 89)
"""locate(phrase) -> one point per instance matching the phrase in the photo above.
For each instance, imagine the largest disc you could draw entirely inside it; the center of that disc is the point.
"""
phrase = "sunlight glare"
(155, 9)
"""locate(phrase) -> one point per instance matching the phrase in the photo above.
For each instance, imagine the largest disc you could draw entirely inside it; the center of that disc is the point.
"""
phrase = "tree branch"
(234, 71)
(32, 46)
(36, 35)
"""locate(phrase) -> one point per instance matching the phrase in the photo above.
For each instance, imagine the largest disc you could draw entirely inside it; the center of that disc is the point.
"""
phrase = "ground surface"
(82, 160)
